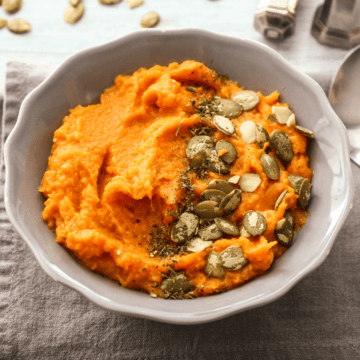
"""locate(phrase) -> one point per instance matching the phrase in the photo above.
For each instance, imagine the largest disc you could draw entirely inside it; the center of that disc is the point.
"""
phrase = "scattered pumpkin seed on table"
(134, 3)
(3, 22)
(73, 14)
(108, 2)
(150, 19)
(19, 26)
(11, 6)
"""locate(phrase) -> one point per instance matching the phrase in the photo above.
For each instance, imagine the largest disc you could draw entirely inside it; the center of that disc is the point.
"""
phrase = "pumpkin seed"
(177, 282)
(281, 113)
(248, 131)
(197, 245)
(270, 166)
(305, 132)
(185, 227)
(290, 218)
(249, 182)
(3, 22)
(291, 121)
(227, 226)
(234, 179)
(244, 233)
(216, 165)
(198, 161)
(261, 136)
(302, 188)
(19, 26)
(11, 6)
(295, 181)
(231, 152)
(199, 144)
(74, 2)
(284, 232)
(73, 14)
(272, 118)
(280, 199)
(207, 209)
(254, 223)
(213, 267)
(213, 195)
(211, 232)
(304, 194)
(224, 125)
(222, 185)
(134, 3)
(247, 99)
(230, 203)
(281, 144)
(150, 19)
(233, 258)
(227, 108)
(108, 2)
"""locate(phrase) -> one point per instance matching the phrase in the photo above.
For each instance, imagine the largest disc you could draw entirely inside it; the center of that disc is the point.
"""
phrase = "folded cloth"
(41, 319)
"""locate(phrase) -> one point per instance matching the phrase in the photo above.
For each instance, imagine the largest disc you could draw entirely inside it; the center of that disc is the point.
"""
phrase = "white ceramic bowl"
(85, 75)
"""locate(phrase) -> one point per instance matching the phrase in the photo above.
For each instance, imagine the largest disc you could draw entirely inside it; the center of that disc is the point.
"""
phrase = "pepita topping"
(270, 166)
(224, 125)
(247, 99)
(228, 108)
(250, 182)
(254, 223)
(248, 131)
(282, 114)
(233, 258)
(305, 131)
(197, 244)
(281, 144)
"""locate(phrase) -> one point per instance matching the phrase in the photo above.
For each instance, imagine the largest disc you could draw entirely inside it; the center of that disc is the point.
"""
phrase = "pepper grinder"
(337, 23)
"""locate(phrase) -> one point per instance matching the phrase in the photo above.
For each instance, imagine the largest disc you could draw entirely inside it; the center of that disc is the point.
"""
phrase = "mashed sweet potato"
(118, 178)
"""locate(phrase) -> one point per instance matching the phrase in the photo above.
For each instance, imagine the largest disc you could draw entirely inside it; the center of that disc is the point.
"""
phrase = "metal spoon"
(344, 97)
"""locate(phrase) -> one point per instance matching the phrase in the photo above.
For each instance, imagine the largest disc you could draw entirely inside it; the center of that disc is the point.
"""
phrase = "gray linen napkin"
(41, 319)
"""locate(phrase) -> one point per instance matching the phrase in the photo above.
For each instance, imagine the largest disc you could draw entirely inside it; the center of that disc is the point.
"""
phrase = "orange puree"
(112, 181)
